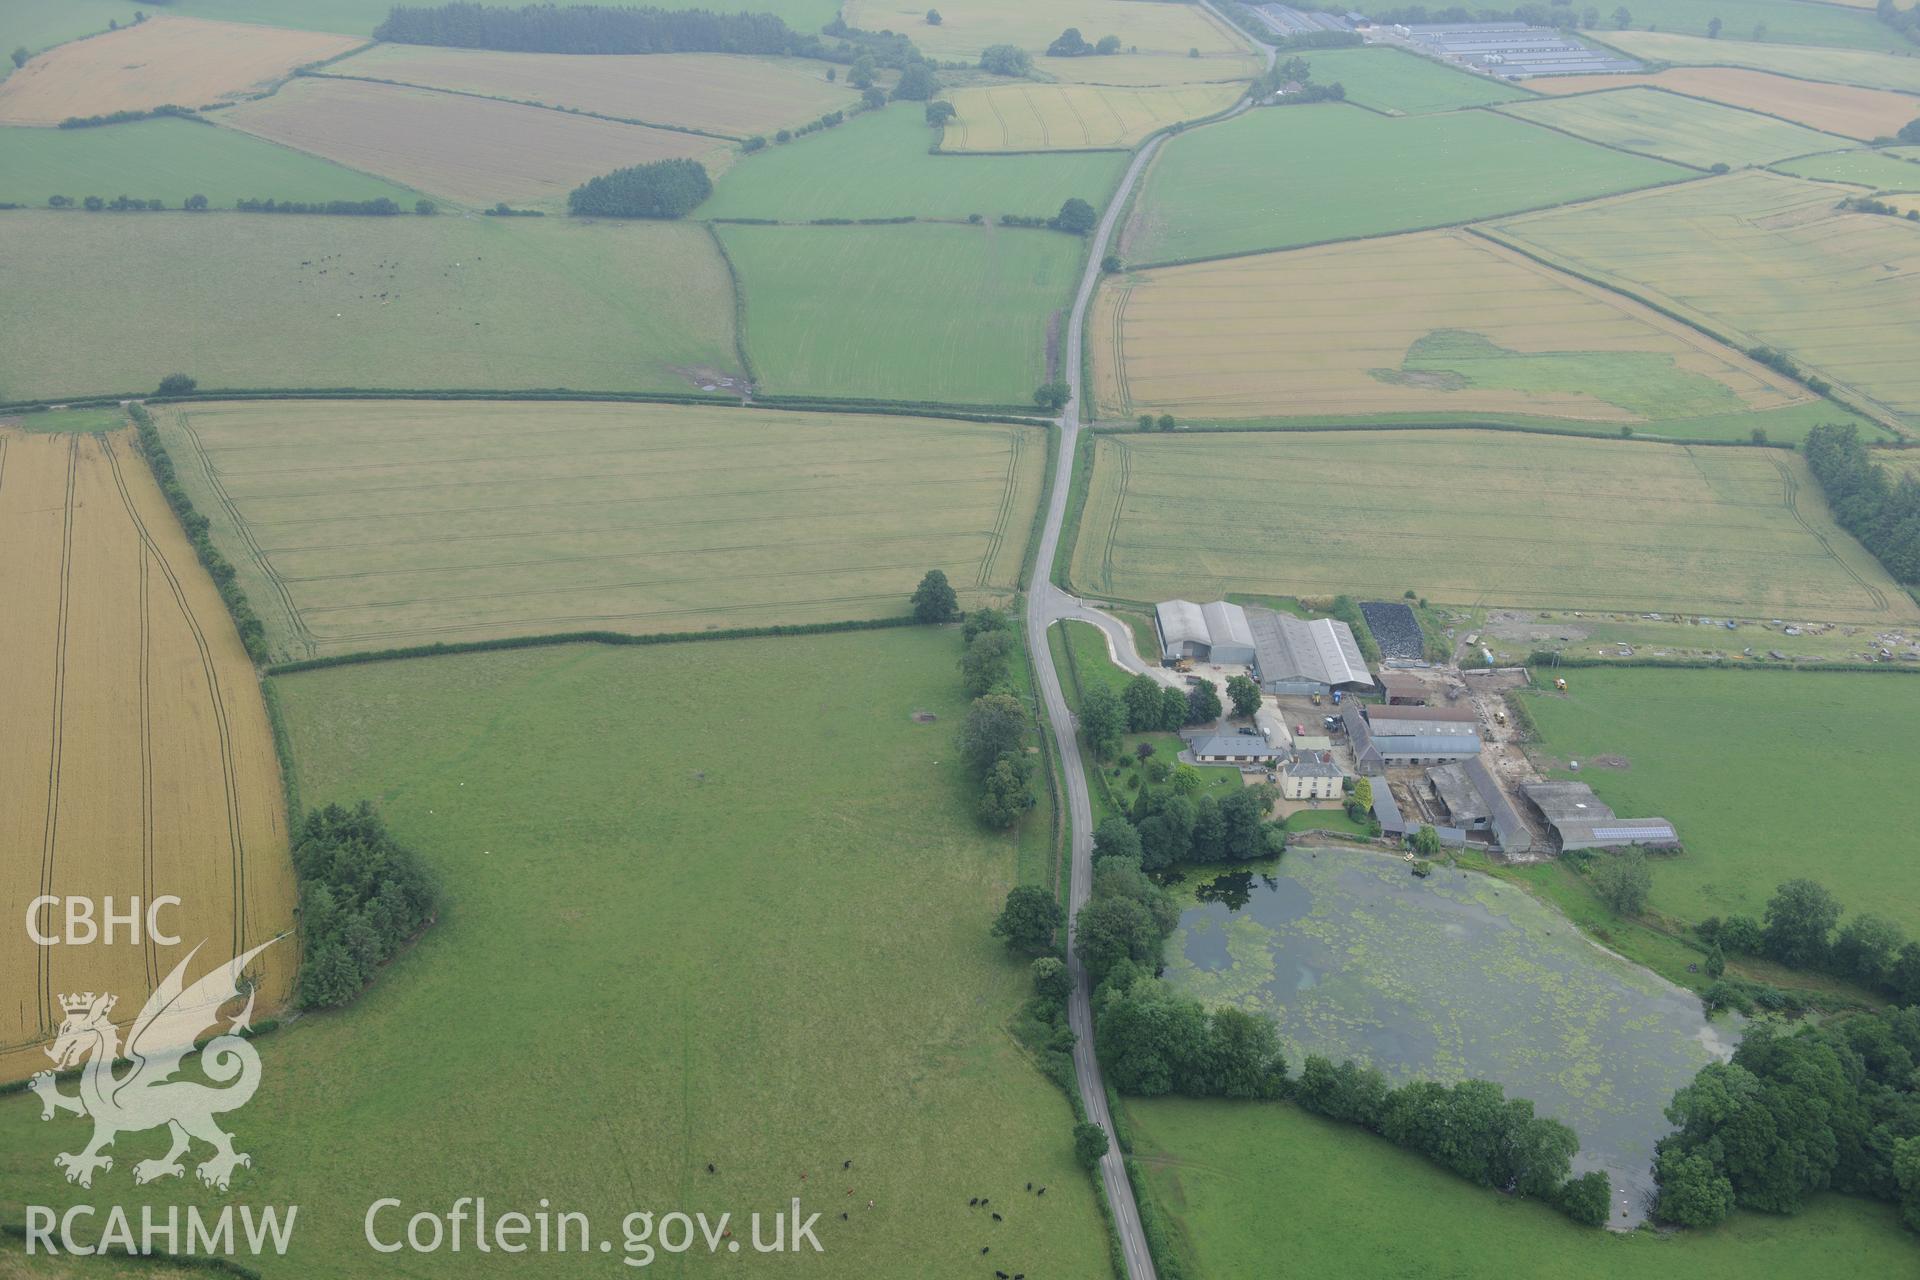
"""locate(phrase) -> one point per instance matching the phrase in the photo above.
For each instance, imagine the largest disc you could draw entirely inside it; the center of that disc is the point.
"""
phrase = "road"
(1047, 604)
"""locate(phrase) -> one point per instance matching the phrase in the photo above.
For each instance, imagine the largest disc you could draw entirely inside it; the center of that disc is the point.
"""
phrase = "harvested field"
(184, 61)
(1043, 117)
(1880, 170)
(1237, 187)
(942, 314)
(381, 524)
(467, 149)
(1837, 108)
(968, 26)
(1142, 69)
(1467, 516)
(1841, 66)
(716, 92)
(1766, 260)
(1402, 83)
(271, 300)
(1671, 127)
(137, 760)
(1439, 322)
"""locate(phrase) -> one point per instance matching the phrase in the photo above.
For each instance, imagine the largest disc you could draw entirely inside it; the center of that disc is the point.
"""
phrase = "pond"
(1452, 976)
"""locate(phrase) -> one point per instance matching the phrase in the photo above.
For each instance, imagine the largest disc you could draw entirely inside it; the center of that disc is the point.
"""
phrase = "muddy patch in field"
(924, 717)
(1610, 762)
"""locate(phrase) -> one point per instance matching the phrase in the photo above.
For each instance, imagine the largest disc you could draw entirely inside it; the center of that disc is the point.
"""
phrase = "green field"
(1286, 176)
(1749, 818)
(1466, 516)
(957, 315)
(1237, 1179)
(877, 166)
(1881, 170)
(170, 160)
(1673, 127)
(1841, 66)
(1786, 22)
(274, 300)
(660, 948)
(360, 17)
(1402, 83)
(1762, 259)
(37, 25)
(380, 524)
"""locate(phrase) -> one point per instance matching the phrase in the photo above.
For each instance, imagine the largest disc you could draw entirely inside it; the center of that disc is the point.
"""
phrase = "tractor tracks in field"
(1791, 501)
(50, 827)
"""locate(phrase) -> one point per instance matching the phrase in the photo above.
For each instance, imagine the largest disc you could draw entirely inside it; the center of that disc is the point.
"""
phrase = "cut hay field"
(1841, 66)
(1285, 176)
(1401, 83)
(1837, 108)
(1880, 170)
(772, 959)
(468, 149)
(1472, 517)
(272, 300)
(1764, 259)
(877, 165)
(381, 524)
(1043, 117)
(716, 92)
(137, 760)
(1140, 69)
(170, 160)
(166, 59)
(968, 26)
(1671, 127)
(1439, 321)
(1217, 1169)
(1746, 823)
(954, 315)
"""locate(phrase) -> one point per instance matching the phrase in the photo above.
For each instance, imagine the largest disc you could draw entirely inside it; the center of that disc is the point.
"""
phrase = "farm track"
(1792, 504)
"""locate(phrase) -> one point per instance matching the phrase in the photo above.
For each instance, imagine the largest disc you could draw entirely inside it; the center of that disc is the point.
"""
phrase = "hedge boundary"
(1217, 427)
(183, 1261)
(521, 102)
(1710, 664)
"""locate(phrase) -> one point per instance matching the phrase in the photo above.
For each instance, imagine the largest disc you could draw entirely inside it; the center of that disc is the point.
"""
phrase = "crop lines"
(138, 760)
(1769, 260)
(1029, 117)
(1530, 521)
(1672, 127)
(1842, 66)
(1837, 108)
(1350, 329)
(375, 525)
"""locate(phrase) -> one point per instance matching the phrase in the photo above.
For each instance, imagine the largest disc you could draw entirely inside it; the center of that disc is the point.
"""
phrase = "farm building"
(1217, 632)
(1402, 690)
(1475, 801)
(1386, 810)
(1581, 820)
(1235, 748)
(1382, 717)
(1514, 50)
(1310, 777)
(1294, 656)
(1395, 743)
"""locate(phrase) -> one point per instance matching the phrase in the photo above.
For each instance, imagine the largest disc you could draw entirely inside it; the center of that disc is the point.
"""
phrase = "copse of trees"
(1029, 920)
(1882, 512)
(916, 84)
(1794, 1113)
(362, 896)
(660, 189)
(1910, 132)
(1802, 928)
(1071, 44)
(1006, 60)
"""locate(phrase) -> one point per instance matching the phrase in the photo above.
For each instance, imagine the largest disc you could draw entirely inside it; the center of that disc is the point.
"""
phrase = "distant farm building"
(1217, 632)
(1235, 748)
(1514, 50)
(1395, 742)
(1294, 656)
(1309, 777)
(1581, 820)
(1475, 801)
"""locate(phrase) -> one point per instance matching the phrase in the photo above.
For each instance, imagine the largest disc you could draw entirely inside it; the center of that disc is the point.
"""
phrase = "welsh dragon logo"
(145, 1096)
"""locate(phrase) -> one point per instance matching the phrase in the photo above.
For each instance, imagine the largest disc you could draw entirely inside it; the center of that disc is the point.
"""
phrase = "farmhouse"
(1217, 632)
(1475, 801)
(1581, 820)
(1294, 656)
(1396, 742)
(1235, 748)
(1312, 777)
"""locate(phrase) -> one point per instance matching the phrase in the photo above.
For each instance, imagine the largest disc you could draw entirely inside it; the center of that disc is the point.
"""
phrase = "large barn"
(1294, 656)
(1395, 741)
(1217, 632)
(1582, 820)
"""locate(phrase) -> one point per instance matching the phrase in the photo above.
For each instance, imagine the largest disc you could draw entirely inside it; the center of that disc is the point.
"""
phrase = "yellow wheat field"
(1139, 69)
(135, 755)
(1066, 117)
(184, 61)
(1328, 331)
(1838, 108)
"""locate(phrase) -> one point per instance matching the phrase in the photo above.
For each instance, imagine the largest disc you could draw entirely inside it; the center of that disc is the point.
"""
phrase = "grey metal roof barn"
(1375, 749)
(1510, 830)
(1582, 820)
(1383, 717)
(1235, 747)
(1290, 651)
(1461, 798)
(1215, 632)
(1385, 808)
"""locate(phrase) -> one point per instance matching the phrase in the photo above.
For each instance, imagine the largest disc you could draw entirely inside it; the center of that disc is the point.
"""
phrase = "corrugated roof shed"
(1566, 801)
(1227, 624)
(1180, 623)
(1510, 830)
(1323, 650)
(1615, 833)
(1460, 796)
(1423, 728)
(1386, 808)
(1465, 715)
(1236, 746)
(1401, 688)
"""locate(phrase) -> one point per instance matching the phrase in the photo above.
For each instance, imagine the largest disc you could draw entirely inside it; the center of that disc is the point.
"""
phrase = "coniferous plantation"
(663, 189)
(540, 28)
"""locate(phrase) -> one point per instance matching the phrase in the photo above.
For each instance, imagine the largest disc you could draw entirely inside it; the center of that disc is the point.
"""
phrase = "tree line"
(362, 896)
(1882, 512)
(1801, 928)
(379, 208)
(546, 28)
(661, 189)
(1828, 1107)
(1906, 21)
(128, 117)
